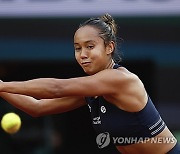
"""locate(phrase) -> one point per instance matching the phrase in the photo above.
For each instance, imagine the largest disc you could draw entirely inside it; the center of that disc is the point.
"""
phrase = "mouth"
(85, 63)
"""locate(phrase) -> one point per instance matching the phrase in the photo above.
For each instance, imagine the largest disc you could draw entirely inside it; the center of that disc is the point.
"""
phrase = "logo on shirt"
(103, 140)
(97, 120)
(89, 108)
(103, 109)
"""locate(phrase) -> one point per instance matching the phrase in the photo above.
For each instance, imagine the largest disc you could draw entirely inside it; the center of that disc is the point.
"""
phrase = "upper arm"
(102, 83)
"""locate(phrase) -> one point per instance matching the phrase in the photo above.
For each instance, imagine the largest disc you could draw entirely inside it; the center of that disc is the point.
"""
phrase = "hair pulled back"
(107, 31)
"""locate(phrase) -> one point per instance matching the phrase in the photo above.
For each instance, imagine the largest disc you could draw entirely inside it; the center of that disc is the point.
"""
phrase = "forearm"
(43, 107)
(25, 103)
(38, 88)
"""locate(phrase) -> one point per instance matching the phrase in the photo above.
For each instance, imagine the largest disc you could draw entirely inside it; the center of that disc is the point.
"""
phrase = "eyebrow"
(89, 41)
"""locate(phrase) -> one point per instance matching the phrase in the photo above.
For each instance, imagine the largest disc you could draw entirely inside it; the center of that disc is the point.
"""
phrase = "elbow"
(34, 111)
(34, 114)
(38, 112)
(54, 90)
(57, 90)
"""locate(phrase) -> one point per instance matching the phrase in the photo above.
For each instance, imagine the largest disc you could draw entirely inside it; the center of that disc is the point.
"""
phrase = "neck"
(111, 64)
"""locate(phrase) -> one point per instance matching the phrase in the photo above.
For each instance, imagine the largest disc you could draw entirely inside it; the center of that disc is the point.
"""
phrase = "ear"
(110, 48)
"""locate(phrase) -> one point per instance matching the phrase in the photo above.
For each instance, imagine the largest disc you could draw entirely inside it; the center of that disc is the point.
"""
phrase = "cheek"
(99, 54)
(77, 57)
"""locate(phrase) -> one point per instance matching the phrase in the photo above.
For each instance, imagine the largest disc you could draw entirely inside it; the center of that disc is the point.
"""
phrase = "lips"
(85, 63)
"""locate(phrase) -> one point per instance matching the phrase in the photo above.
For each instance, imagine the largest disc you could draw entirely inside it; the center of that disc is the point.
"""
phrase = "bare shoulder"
(130, 79)
(123, 75)
(121, 80)
(120, 73)
(126, 73)
(118, 78)
(130, 92)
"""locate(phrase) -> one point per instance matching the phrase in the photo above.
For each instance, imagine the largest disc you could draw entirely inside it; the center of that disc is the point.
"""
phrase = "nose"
(83, 54)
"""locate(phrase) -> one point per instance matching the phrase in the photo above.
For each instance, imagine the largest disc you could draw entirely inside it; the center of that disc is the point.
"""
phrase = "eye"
(77, 48)
(90, 46)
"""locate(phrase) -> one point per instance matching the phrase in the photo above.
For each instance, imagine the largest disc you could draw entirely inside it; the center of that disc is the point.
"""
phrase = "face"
(90, 50)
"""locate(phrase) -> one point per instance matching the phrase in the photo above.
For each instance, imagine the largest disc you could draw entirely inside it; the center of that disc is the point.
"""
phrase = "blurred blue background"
(36, 40)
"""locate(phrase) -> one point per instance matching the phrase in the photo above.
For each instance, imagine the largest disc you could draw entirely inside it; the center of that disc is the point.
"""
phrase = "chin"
(89, 72)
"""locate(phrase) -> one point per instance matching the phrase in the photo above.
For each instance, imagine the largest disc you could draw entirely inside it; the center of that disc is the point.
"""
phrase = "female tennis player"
(118, 102)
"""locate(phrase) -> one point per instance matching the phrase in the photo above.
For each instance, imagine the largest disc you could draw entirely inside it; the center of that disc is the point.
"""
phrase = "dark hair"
(108, 31)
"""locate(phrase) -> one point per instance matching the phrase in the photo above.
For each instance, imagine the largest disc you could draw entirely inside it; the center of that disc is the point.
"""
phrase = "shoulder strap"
(116, 66)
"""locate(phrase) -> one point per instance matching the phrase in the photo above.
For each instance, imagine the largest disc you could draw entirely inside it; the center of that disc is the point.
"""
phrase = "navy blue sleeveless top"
(106, 117)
